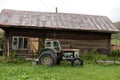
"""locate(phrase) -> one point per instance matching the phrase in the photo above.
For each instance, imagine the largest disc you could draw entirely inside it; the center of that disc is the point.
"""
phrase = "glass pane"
(25, 43)
(15, 43)
(56, 44)
(68, 54)
(48, 44)
(20, 43)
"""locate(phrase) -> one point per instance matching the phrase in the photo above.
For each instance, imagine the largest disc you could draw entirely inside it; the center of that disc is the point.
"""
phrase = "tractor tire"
(58, 61)
(47, 58)
(77, 62)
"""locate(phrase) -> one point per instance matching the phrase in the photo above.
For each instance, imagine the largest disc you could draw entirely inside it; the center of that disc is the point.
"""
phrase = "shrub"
(90, 57)
(115, 53)
(12, 56)
(3, 59)
(20, 60)
(93, 56)
(104, 57)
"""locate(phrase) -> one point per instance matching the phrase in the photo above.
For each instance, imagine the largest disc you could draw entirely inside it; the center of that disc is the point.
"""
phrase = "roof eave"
(35, 27)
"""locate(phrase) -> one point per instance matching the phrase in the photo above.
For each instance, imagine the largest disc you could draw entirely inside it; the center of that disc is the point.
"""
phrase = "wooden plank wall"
(83, 40)
(85, 45)
(32, 47)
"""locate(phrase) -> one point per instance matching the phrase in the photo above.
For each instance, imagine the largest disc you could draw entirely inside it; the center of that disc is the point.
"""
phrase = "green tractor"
(52, 54)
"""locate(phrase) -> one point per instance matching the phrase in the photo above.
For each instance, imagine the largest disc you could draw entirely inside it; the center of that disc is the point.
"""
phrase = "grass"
(115, 42)
(117, 24)
(27, 71)
(116, 37)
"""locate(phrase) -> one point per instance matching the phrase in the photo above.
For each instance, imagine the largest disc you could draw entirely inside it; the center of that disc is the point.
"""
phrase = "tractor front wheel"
(77, 62)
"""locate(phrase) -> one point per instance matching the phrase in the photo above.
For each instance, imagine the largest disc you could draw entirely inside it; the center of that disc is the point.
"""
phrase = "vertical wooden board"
(33, 44)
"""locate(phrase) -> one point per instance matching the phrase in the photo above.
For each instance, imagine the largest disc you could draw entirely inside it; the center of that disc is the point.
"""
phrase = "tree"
(2, 37)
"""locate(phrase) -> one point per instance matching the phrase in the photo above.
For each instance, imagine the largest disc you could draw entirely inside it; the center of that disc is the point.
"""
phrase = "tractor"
(52, 54)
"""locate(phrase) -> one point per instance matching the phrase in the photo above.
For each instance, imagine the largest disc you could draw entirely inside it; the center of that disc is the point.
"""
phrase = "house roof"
(29, 19)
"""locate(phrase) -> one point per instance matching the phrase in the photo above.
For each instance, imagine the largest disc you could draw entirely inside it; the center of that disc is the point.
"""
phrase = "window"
(56, 44)
(20, 43)
(48, 44)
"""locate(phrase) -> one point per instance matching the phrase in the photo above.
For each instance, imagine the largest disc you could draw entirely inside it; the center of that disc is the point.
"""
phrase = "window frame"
(17, 44)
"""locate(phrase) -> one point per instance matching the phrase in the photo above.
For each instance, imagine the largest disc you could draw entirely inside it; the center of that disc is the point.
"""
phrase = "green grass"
(115, 42)
(116, 37)
(117, 24)
(27, 71)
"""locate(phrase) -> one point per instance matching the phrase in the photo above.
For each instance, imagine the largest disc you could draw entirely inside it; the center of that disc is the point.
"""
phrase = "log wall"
(84, 40)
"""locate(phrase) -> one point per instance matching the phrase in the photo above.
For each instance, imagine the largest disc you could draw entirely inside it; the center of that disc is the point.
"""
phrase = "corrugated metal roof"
(56, 20)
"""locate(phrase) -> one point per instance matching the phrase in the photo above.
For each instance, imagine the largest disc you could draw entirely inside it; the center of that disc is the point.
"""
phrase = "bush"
(12, 56)
(104, 57)
(115, 53)
(90, 57)
(3, 59)
(20, 60)
(93, 56)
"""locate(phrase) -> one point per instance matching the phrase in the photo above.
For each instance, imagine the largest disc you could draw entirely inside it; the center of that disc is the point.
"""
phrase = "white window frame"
(17, 48)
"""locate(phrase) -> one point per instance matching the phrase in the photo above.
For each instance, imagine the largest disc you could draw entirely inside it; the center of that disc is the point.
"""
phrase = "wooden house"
(24, 29)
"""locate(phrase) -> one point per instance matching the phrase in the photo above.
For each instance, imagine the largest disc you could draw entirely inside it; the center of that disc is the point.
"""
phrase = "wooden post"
(8, 47)
(109, 44)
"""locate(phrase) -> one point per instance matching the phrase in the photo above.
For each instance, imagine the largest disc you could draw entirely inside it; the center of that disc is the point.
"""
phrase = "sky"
(109, 8)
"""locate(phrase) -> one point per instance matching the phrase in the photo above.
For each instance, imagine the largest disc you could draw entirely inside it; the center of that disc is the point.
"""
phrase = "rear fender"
(48, 51)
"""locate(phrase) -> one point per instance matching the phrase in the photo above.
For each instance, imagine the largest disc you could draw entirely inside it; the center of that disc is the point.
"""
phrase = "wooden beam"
(8, 47)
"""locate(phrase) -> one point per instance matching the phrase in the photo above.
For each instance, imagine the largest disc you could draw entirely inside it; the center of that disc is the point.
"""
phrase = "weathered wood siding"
(86, 45)
(83, 40)
(30, 52)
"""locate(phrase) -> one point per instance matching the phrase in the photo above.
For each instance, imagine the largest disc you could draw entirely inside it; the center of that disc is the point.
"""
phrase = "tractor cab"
(54, 45)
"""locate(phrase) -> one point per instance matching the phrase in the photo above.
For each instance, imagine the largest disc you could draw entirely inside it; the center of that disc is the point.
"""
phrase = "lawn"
(115, 42)
(27, 71)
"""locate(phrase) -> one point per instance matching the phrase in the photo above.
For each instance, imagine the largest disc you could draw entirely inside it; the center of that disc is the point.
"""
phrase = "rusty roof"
(29, 19)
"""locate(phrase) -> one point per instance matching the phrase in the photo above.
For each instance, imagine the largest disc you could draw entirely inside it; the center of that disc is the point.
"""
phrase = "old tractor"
(53, 54)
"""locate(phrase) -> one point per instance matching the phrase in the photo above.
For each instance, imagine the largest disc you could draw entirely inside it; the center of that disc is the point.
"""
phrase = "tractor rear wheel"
(47, 58)
(77, 62)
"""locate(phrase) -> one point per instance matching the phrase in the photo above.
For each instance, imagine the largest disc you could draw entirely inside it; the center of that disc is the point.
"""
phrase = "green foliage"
(12, 56)
(104, 57)
(116, 37)
(115, 53)
(1, 39)
(117, 24)
(90, 56)
(115, 42)
(20, 60)
(3, 59)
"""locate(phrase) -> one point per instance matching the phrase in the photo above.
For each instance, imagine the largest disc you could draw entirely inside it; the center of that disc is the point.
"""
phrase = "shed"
(23, 30)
